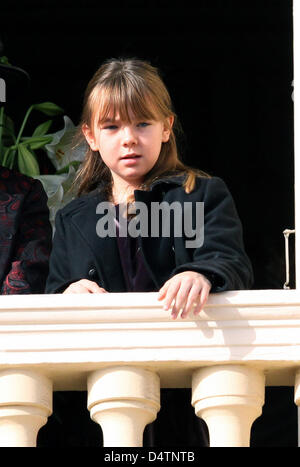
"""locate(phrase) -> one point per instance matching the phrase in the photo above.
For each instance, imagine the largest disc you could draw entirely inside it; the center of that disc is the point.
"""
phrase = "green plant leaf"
(27, 162)
(10, 159)
(36, 142)
(2, 150)
(42, 129)
(48, 108)
(4, 60)
(5, 156)
(40, 143)
(8, 128)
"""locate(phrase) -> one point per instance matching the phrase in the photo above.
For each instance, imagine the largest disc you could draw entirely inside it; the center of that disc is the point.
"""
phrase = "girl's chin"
(132, 178)
(133, 175)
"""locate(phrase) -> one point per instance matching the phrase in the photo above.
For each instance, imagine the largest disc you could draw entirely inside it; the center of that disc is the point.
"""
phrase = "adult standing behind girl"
(129, 125)
(25, 234)
(25, 229)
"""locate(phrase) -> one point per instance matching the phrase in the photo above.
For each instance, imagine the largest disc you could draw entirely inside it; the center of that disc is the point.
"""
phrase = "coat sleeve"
(59, 277)
(222, 257)
(29, 267)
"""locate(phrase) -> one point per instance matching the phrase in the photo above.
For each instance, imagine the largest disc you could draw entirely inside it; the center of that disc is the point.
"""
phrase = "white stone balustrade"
(123, 347)
(228, 396)
(123, 400)
(25, 404)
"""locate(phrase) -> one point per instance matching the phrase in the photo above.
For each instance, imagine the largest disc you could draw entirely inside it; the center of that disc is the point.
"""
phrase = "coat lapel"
(104, 249)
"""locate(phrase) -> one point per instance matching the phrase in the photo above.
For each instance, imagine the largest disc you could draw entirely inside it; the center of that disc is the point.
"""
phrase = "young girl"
(129, 125)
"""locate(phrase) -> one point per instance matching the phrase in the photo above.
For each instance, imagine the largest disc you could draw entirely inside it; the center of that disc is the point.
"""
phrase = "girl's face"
(129, 149)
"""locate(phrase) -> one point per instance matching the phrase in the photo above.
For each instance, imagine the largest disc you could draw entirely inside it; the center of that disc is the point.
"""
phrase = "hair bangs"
(124, 101)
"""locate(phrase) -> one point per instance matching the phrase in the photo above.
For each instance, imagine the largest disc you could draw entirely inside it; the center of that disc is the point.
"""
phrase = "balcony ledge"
(66, 337)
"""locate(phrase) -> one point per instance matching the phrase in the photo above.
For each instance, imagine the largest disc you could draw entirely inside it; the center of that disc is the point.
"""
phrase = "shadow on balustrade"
(230, 333)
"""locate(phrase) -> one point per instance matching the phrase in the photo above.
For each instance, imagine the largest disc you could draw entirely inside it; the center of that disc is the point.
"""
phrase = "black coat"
(78, 252)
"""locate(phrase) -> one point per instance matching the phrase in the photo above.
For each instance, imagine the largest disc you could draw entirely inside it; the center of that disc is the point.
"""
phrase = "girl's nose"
(129, 136)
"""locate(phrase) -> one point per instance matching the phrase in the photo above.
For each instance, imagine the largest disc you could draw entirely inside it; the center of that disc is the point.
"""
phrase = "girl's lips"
(131, 156)
(130, 159)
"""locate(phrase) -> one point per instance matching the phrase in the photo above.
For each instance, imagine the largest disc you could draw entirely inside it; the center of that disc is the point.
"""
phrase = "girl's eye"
(110, 127)
(143, 124)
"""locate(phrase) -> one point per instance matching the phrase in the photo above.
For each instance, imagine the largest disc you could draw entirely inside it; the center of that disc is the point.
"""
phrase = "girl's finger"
(95, 288)
(203, 298)
(171, 293)
(84, 286)
(193, 300)
(181, 298)
(163, 290)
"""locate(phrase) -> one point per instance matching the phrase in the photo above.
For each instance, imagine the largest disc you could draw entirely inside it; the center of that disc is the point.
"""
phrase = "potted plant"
(21, 151)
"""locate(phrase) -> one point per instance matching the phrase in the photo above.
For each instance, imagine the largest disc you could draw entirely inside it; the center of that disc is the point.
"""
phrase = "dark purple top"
(136, 275)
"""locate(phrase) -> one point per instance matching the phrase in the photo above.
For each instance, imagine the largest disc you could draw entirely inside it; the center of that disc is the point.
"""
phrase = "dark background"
(228, 65)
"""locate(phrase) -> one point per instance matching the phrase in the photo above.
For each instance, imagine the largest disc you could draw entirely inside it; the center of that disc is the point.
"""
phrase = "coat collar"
(171, 179)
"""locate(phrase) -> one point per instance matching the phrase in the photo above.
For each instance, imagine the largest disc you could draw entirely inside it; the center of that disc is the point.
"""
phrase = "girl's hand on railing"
(184, 293)
(84, 286)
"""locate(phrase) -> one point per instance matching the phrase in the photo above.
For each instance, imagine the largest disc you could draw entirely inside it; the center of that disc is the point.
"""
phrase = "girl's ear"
(167, 128)
(89, 136)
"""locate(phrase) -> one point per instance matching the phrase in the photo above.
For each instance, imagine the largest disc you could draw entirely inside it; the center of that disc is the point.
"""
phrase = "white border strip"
(296, 32)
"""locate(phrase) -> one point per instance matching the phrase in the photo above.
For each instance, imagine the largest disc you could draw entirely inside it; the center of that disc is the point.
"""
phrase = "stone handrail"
(122, 348)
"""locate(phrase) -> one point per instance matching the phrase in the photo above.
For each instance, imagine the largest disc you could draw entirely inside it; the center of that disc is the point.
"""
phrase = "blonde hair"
(129, 87)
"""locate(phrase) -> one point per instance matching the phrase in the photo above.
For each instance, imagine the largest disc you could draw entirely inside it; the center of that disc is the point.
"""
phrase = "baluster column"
(25, 404)
(123, 400)
(229, 398)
